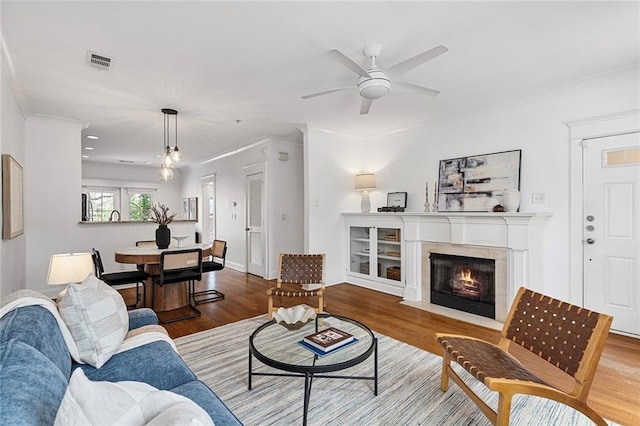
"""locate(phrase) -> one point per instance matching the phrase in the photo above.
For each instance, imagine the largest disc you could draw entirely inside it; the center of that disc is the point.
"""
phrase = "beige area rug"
(408, 394)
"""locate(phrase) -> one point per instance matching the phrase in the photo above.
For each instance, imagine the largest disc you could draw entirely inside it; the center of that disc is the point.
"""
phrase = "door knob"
(590, 218)
(590, 241)
(247, 229)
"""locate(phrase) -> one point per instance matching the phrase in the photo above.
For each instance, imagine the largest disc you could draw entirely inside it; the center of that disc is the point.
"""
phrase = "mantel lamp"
(69, 268)
(365, 182)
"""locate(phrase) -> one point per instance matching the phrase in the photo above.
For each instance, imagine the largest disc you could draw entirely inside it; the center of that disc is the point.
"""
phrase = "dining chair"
(298, 269)
(120, 278)
(217, 262)
(179, 266)
(145, 243)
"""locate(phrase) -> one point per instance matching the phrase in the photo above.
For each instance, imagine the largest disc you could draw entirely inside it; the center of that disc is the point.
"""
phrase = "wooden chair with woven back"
(177, 267)
(568, 337)
(298, 269)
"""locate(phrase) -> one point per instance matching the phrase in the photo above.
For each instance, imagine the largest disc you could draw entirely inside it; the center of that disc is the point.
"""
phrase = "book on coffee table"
(328, 339)
(322, 353)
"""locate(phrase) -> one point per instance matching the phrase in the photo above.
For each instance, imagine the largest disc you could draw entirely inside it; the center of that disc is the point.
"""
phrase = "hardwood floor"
(616, 389)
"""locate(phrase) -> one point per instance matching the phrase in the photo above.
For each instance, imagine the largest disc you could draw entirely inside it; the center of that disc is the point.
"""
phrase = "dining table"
(168, 297)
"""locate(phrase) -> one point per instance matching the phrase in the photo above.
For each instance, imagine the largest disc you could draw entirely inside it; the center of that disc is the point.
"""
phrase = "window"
(101, 203)
(140, 202)
(118, 203)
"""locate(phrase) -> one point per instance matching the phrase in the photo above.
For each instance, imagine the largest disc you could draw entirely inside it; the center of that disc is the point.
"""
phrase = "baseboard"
(375, 285)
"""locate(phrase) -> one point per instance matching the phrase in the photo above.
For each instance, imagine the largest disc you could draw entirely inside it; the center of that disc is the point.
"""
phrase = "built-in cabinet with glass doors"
(375, 254)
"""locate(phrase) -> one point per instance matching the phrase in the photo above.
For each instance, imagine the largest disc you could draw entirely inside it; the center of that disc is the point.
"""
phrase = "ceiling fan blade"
(366, 105)
(402, 67)
(326, 92)
(348, 62)
(408, 87)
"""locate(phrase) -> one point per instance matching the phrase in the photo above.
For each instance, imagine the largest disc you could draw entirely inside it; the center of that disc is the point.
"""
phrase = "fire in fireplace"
(463, 283)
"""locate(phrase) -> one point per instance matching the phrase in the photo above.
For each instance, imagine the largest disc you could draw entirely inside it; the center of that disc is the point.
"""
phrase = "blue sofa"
(35, 367)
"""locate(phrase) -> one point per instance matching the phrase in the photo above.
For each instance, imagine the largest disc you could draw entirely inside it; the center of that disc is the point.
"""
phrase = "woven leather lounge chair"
(568, 337)
(298, 269)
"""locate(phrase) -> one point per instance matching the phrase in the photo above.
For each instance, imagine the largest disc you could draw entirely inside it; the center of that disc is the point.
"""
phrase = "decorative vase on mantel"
(163, 236)
(511, 199)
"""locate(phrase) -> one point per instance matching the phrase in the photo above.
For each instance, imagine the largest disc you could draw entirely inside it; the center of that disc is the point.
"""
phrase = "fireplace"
(464, 283)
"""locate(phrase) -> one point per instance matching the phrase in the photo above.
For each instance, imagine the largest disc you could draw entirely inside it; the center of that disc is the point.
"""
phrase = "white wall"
(53, 175)
(406, 160)
(331, 161)
(13, 251)
(53, 184)
(285, 189)
(284, 196)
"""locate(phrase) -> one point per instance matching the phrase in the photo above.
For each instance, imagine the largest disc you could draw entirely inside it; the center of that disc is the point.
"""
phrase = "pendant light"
(170, 155)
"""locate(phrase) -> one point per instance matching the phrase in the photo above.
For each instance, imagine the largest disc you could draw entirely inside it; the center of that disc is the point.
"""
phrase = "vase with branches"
(160, 215)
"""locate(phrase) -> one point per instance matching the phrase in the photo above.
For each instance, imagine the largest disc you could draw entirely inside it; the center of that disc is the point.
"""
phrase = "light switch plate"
(538, 198)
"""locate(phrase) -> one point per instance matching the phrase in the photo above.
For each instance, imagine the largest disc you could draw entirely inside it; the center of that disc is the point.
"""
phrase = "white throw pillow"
(97, 318)
(125, 403)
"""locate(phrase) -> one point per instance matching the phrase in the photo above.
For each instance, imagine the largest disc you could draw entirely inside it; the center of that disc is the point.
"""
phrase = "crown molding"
(45, 117)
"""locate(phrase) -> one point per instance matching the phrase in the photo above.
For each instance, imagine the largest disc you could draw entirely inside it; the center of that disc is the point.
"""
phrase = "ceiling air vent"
(127, 161)
(99, 62)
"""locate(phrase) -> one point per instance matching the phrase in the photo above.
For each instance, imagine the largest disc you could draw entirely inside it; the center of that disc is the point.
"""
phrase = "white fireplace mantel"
(521, 234)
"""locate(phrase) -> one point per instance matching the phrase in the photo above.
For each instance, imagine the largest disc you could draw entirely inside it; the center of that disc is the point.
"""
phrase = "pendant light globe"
(165, 173)
(167, 160)
(176, 155)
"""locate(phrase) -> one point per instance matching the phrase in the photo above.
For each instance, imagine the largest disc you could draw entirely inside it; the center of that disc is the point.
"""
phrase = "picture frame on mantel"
(468, 183)
(397, 199)
(12, 198)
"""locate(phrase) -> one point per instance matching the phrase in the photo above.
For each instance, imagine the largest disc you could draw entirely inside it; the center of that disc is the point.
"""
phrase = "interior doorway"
(255, 220)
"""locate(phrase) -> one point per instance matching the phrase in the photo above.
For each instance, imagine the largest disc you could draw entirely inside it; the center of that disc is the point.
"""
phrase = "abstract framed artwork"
(185, 209)
(12, 198)
(193, 208)
(467, 183)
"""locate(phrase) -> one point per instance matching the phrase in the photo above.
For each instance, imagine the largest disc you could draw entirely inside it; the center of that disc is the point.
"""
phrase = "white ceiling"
(217, 62)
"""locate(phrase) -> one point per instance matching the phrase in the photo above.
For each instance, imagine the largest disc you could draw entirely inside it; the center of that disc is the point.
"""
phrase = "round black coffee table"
(277, 347)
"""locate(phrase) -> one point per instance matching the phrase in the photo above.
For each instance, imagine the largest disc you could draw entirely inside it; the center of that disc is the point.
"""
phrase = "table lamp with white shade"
(69, 268)
(365, 182)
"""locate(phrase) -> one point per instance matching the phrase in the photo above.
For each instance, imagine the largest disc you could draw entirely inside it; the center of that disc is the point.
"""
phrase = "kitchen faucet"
(112, 213)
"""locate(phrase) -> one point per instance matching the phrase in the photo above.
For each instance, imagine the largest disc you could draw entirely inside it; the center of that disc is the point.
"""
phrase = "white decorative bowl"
(295, 317)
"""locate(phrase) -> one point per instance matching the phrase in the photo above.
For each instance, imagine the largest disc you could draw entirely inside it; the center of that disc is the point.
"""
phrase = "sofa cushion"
(35, 326)
(155, 363)
(97, 318)
(32, 386)
(132, 403)
(205, 398)
(141, 317)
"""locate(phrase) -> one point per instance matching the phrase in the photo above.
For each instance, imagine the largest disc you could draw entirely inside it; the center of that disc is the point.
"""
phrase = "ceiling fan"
(373, 83)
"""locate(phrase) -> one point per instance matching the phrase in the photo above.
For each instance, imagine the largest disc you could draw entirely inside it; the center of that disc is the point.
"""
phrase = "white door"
(255, 224)
(610, 229)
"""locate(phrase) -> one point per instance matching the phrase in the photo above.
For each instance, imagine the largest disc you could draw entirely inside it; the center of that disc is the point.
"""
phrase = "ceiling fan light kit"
(374, 87)
(373, 83)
